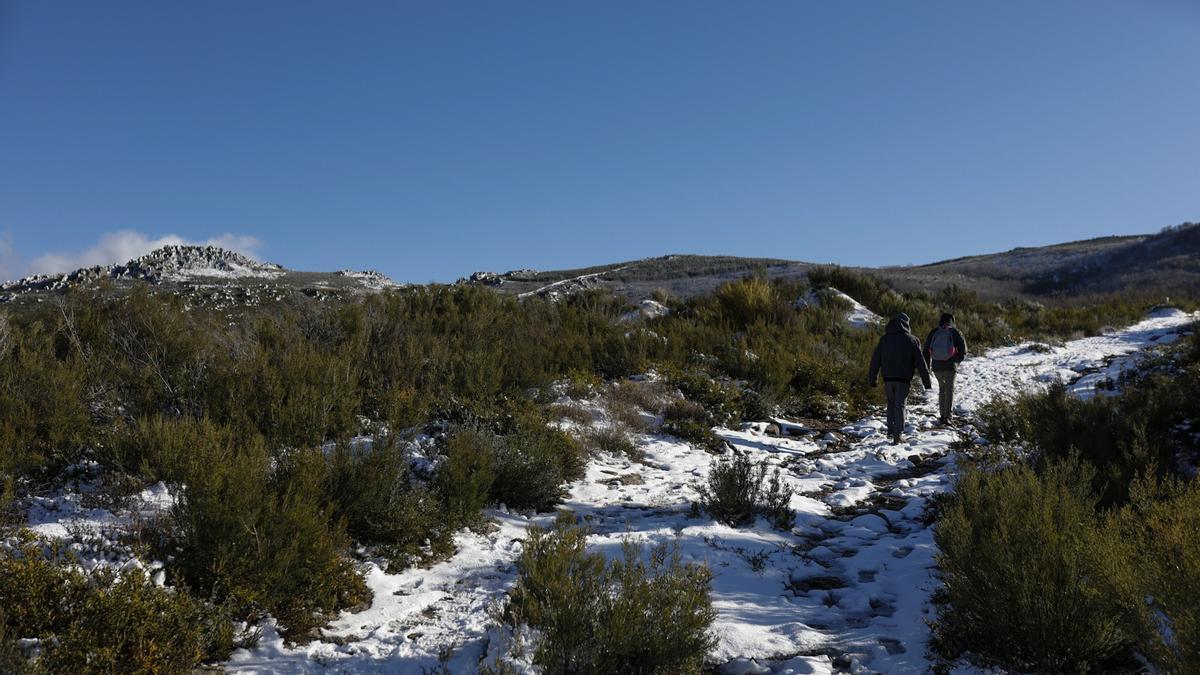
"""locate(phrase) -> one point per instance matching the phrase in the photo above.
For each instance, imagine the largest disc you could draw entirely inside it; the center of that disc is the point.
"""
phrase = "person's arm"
(876, 359)
(928, 351)
(960, 346)
(922, 367)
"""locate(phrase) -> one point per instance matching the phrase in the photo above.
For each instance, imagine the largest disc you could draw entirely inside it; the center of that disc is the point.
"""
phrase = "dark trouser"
(897, 394)
(945, 380)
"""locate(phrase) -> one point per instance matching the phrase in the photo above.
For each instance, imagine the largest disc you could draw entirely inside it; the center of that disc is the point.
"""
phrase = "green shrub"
(631, 615)
(1110, 433)
(42, 393)
(263, 540)
(533, 463)
(465, 479)
(1162, 523)
(1000, 420)
(1033, 578)
(722, 401)
(167, 449)
(373, 490)
(751, 300)
(737, 490)
(864, 288)
(102, 622)
(689, 421)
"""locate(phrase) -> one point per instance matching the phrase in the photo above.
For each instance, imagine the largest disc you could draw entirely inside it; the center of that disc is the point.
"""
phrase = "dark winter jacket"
(960, 346)
(898, 355)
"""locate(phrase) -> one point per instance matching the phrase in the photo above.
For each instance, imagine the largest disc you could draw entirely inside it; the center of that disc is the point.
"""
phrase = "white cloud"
(124, 245)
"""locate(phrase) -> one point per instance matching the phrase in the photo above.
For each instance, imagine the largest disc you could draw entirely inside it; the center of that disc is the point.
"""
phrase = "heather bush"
(1000, 420)
(738, 490)
(1034, 579)
(722, 401)
(690, 422)
(1122, 436)
(464, 480)
(46, 421)
(642, 613)
(262, 539)
(101, 622)
(534, 462)
(167, 449)
(1162, 524)
(372, 488)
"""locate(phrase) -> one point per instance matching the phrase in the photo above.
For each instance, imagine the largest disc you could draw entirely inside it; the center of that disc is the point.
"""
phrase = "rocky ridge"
(197, 271)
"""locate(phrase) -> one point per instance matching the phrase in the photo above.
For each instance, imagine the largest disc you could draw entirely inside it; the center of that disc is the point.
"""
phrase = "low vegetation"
(101, 622)
(1089, 549)
(739, 489)
(287, 436)
(645, 612)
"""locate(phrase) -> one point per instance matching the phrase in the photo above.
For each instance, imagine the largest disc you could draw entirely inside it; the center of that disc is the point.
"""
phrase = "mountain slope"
(1167, 263)
(204, 275)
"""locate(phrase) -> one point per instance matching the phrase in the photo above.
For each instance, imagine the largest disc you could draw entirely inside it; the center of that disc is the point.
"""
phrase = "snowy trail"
(847, 590)
(562, 282)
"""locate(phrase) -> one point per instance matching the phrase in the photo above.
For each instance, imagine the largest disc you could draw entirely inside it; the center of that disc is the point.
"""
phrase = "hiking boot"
(895, 440)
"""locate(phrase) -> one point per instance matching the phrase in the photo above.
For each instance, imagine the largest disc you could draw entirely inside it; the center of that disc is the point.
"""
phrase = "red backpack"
(941, 345)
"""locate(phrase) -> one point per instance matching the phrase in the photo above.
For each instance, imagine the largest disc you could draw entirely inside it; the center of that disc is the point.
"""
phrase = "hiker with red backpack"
(944, 350)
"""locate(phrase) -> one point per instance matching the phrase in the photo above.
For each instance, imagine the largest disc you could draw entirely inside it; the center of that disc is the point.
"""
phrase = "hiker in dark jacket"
(898, 356)
(945, 348)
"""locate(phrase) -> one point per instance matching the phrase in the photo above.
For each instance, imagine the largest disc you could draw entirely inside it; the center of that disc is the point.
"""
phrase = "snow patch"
(857, 316)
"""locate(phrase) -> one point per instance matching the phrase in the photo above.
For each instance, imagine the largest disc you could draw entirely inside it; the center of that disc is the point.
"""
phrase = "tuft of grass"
(612, 440)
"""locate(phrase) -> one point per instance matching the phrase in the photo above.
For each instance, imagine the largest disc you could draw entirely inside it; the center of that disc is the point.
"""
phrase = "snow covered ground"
(846, 590)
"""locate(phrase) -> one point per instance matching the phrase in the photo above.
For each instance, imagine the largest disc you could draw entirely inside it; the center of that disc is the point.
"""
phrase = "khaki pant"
(897, 394)
(945, 380)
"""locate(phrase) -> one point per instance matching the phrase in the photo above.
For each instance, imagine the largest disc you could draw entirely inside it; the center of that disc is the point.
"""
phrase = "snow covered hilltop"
(186, 269)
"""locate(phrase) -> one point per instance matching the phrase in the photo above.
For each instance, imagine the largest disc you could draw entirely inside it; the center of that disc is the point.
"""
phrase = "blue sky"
(432, 139)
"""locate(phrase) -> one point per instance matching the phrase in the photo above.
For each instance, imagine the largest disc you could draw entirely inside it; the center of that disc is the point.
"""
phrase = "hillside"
(849, 588)
(1167, 262)
(208, 276)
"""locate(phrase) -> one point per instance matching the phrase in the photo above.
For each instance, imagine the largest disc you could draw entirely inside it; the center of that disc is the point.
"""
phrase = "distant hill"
(1167, 263)
(204, 275)
(679, 275)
